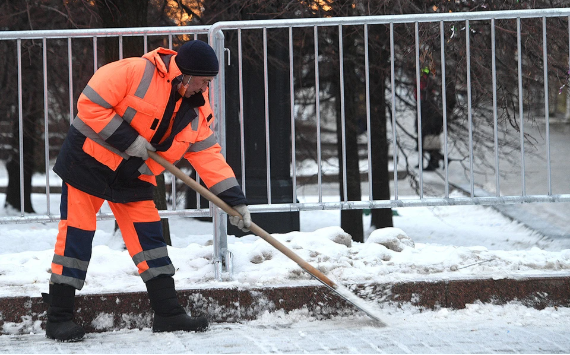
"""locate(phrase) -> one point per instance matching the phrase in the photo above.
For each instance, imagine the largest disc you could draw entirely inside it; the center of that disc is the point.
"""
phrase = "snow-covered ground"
(479, 328)
(427, 243)
(438, 242)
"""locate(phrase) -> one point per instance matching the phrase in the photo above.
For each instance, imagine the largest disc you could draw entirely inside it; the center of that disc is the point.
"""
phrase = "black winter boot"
(60, 325)
(169, 316)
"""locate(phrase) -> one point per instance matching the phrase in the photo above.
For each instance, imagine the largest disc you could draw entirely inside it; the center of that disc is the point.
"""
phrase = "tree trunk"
(350, 220)
(123, 13)
(13, 190)
(381, 217)
(13, 164)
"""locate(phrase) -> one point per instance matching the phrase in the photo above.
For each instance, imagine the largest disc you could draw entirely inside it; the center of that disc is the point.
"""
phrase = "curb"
(114, 311)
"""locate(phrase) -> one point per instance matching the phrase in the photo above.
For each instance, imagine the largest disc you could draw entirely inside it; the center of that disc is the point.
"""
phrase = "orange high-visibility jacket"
(128, 98)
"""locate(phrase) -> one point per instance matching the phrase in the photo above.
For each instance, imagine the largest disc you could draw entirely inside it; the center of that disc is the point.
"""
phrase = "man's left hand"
(242, 223)
(139, 148)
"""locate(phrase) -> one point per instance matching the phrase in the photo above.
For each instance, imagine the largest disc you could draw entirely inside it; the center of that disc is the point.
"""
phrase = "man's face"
(191, 85)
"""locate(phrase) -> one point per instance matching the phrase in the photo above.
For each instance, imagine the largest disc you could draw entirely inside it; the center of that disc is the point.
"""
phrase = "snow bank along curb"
(106, 312)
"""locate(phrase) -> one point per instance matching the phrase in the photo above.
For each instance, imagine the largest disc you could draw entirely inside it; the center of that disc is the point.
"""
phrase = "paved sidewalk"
(549, 219)
(341, 335)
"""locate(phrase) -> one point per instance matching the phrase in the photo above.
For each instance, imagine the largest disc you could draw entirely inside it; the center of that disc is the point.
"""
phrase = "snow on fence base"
(107, 312)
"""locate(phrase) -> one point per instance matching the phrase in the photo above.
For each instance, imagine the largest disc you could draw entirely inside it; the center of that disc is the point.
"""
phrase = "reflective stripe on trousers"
(140, 226)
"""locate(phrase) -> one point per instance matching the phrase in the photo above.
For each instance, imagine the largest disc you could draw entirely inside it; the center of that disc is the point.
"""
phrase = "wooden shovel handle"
(232, 212)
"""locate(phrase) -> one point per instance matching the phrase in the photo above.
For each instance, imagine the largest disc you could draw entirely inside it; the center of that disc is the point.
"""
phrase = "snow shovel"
(342, 291)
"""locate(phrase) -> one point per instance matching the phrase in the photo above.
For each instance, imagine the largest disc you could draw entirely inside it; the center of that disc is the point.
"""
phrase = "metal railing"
(217, 38)
(217, 34)
(93, 34)
(220, 30)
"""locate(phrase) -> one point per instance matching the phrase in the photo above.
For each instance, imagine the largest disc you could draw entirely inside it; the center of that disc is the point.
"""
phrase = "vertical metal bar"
(546, 104)
(20, 126)
(120, 47)
(170, 43)
(219, 98)
(222, 222)
(342, 113)
(369, 138)
(70, 79)
(95, 59)
(394, 136)
(318, 113)
(172, 176)
(419, 109)
(469, 111)
(444, 105)
(197, 193)
(213, 95)
(145, 43)
(521, 105)
(567, 99)
(292, 108)
(218, 220)
(495, 115)
(46, 124)
(95, 67)
(173, 190)
(220, 238)
(266, 86)
(241, 123)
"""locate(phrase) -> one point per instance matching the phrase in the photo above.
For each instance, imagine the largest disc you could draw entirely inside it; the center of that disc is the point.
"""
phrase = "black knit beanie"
(197, 58)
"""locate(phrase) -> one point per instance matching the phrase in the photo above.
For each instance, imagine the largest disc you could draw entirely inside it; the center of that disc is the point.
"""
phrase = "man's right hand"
(139, 148)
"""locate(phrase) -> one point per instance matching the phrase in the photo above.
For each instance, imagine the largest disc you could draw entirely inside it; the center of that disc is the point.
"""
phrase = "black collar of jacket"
(193, 101)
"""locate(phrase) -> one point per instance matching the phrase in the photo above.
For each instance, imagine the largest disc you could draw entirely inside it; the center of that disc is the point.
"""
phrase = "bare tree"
(31, 15)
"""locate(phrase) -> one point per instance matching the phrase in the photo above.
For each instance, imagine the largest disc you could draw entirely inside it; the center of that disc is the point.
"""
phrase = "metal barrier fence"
(166, 33)
(400, 117)
(217, 36)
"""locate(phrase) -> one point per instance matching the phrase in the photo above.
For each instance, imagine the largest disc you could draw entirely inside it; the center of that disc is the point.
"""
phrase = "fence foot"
(229, 264)
(218, 269)
(224, 265)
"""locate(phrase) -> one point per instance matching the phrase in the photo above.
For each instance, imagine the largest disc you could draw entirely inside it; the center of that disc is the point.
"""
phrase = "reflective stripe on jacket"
(128, 98)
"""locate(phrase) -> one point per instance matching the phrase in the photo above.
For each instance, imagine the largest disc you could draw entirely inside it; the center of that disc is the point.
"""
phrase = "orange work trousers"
(140, 226)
